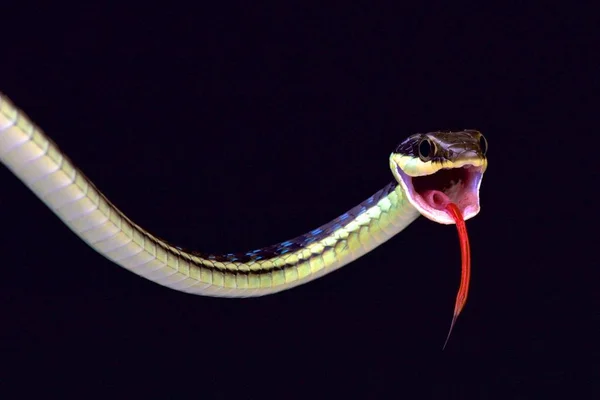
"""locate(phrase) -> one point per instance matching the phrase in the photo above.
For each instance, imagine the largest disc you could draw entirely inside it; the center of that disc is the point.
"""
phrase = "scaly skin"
(41, 165)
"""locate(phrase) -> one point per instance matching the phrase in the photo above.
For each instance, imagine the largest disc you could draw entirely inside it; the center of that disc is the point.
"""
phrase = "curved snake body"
(42, 167)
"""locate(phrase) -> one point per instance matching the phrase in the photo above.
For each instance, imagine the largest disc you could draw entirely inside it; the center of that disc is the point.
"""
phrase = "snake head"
(441, 167)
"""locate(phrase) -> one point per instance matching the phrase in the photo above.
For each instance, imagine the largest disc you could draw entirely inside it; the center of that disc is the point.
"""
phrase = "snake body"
(50, 175)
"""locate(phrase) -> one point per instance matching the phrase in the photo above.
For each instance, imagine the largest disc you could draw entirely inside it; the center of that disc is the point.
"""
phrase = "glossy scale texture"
(40, 165)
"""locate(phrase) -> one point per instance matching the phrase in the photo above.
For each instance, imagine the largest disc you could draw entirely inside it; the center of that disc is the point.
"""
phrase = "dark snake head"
(437, 167)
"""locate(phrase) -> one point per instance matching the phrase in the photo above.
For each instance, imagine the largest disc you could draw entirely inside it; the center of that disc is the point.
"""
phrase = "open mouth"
(431, 193)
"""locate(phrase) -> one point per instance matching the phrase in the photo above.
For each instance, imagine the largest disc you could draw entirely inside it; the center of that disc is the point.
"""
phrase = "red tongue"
(461, 297)
(441, 201)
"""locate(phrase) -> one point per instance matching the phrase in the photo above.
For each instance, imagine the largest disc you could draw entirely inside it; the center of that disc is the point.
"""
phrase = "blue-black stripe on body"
(290, 246)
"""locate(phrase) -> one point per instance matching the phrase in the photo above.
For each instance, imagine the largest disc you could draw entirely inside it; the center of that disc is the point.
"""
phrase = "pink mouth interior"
(456, 185)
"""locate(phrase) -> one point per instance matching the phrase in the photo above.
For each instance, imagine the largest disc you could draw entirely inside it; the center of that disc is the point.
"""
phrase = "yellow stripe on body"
(39, 163)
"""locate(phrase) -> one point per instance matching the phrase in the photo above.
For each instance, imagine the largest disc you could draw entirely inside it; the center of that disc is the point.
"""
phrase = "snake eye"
(483, 144)
(426, 150)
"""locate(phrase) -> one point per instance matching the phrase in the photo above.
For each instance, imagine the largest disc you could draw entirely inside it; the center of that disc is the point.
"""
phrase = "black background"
(232, 128)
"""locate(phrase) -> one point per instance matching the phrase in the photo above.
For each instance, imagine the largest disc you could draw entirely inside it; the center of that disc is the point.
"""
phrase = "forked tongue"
(440, 201)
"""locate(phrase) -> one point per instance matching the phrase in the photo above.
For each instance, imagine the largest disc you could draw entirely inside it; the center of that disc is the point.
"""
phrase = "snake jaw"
(429, 194)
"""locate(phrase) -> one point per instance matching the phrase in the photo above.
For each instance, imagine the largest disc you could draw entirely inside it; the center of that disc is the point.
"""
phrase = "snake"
(436, 175)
